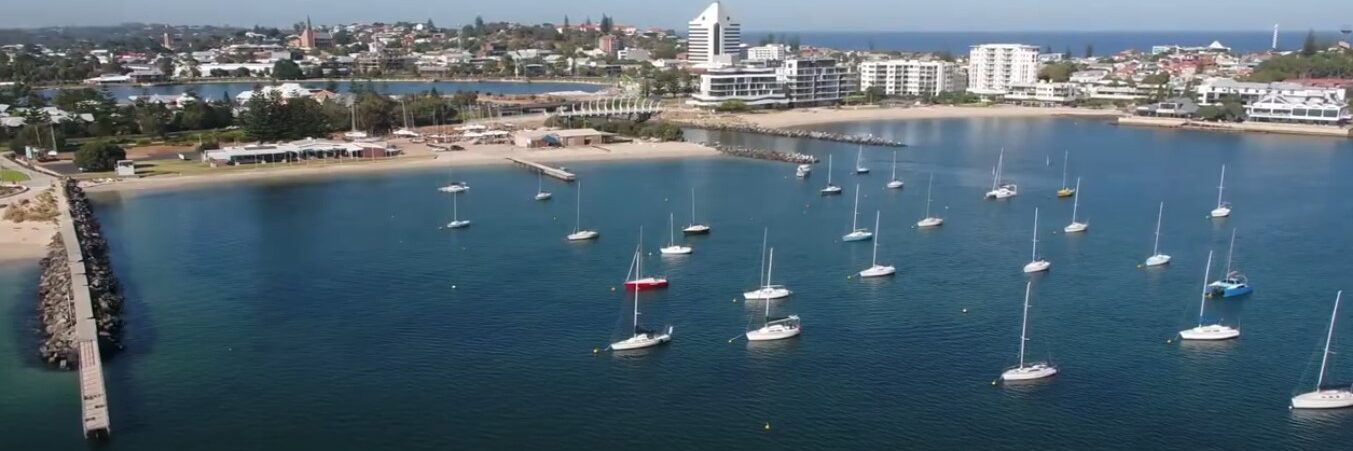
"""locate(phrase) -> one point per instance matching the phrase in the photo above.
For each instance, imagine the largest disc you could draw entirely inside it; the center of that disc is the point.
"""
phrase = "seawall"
(78, 295)
(1254, 127)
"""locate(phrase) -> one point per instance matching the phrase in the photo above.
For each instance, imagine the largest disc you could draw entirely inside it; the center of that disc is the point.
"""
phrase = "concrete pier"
(547, 170)
(93, 397)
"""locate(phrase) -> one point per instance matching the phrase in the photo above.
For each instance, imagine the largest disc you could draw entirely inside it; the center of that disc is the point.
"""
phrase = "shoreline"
(821, 116)
(486, 155)
(346, 80)
(1237, 127)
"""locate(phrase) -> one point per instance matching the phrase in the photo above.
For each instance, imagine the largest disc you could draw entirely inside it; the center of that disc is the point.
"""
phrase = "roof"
(572, 132)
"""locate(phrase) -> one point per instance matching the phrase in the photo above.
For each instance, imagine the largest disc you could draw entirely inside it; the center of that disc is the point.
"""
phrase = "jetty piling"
(544, 169)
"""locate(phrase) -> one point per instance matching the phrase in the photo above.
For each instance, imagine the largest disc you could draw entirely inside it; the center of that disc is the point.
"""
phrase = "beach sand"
(811, 116)
(23, 241)
(417, 156)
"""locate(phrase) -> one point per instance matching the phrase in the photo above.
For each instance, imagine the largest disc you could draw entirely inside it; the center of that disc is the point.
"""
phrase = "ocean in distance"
(335, 314)
(1105, 42)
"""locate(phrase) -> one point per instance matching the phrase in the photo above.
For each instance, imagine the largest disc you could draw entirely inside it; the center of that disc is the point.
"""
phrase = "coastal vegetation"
(1330, 64)
(643, 128)
(99, 156)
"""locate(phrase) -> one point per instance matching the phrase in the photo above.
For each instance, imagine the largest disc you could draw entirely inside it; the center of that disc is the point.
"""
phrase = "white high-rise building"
(911, 77)
(713, 38)
(755, 87)
(768, 52)
(816, 81)
(992, 68)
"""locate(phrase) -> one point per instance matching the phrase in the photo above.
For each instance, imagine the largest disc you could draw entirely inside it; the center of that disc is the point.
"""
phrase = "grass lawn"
(12, 176)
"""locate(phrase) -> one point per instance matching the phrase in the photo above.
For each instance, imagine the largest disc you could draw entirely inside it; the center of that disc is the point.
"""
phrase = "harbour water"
(336, 314)
(219, 90)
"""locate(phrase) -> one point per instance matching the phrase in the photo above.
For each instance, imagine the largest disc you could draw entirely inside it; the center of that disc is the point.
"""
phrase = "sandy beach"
(417, 157)
(811, 116)
(24, 240)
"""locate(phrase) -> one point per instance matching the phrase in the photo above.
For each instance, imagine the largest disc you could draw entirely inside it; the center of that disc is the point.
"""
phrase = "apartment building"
(911, 77)
(993, 68)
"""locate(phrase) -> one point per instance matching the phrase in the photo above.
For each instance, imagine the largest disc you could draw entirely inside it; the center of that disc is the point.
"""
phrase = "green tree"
(1089, 50)
(286, 70)
(99, 156)
(1158, 78)
(1057, 72)
(732, 106)
(1308, 47)
(606, 24)
(874, 94)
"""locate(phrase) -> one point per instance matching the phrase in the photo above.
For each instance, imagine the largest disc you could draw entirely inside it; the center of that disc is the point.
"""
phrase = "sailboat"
(672, 247)
(1066, 191)
(695, 228)
(831, 188)
(354, 134)
(455, 187)
(1076, 226)
(875, 269)
(541, 194)
(856, 233)
(642, 338)
(1157, 258)
(1036, 264)
(895, 183)
(1032, 370)
(775, 329)
(859, 162)
(640, 282)
(1210, 331)
(1234, 283)
(1223, 208)
(767, 291)
(1320, 398)
(579, 233)
(1001, 190)
(456, 222)
(929, 221)
(405, 130)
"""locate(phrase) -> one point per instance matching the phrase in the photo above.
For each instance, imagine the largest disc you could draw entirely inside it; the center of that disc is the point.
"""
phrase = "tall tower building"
(713, 38)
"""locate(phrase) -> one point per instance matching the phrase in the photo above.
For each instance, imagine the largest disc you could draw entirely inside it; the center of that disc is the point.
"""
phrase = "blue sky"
(797, 15)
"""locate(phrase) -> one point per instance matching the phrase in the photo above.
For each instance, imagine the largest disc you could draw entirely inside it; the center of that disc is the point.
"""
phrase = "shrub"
(99, 156)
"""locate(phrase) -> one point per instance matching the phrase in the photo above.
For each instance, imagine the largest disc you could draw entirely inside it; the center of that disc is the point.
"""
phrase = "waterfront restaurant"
(1308, 109)
(307, 149)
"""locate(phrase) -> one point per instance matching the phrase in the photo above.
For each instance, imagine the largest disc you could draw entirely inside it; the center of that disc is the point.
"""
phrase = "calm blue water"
(334, 314)
(1105, 42)
(219, 90)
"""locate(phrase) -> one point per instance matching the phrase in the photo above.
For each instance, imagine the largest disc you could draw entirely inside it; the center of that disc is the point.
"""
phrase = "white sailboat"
(859, 162)
(642, 338)
(928, 220)
(875, 269)
(1066, 191)
(768, 290)
(695, 228)
(541, 194)
(831, 188)
(856, 233)
(579, 233)
(1326, 398)
(1157, 258)
(895, 183)
(1036, 264)
(454, 187)
(1076, 226)
(456, 222)
(1223, 208)
(672, 247)
(1001, 190)
(775, 329)
(354, 134)
(1210, 331)
(1031, 370)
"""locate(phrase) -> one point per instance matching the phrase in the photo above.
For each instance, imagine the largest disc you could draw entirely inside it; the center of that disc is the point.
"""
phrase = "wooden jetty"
(93, 396)
(547, 170)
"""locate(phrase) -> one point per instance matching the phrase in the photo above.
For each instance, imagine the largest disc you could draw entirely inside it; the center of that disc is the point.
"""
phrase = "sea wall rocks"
(103, 285)
(868, 140)
(762, 154)
(56, 312)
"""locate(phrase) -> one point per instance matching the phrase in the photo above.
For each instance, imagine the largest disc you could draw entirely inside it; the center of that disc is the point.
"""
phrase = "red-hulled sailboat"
(639, 282)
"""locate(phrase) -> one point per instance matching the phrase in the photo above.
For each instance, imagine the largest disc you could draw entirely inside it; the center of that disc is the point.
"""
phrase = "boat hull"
(878, 271)
(766, 294)
(583, 235)
(1076, 227)
(895, 184)
(696, 229)
(675, 250)
(930, 222)
(641, 341)
(458, 224)
(1324, 399)
(1220, 212)
(1157, 260)
(544, 195)
(1000, 193)
(1028, 373)
(647, 283)
(857, 235)
(454, 188)
(1213, 332)
(1222, 290)
(831, 190)
(773, 333)
(1065, 192)
(1037, 266)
